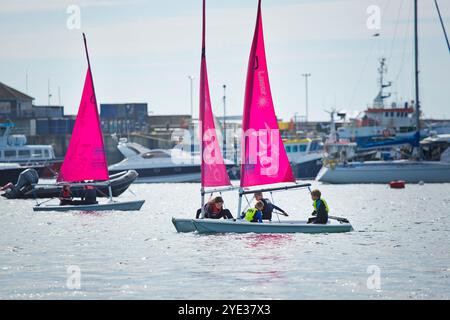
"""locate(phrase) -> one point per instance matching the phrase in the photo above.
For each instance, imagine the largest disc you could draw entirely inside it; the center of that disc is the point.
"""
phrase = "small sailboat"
(85, 161)
(265, 166)
(214, 176)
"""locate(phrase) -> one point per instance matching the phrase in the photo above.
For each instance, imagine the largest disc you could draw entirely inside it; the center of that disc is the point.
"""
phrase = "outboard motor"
(25, 181)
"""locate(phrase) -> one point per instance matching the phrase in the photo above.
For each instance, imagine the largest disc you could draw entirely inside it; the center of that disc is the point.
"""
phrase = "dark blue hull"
(307, 170)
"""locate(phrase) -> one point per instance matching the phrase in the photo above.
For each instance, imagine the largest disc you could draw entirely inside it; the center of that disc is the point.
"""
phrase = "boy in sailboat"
(268, 207)
(320, 208)
(254, 214)
(214, 209)
(89, 195)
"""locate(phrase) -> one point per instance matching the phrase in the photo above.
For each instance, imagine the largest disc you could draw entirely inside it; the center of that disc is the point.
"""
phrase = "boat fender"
(399, 184)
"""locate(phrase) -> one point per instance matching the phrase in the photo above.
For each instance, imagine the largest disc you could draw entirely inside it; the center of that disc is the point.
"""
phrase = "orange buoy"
(399, 184)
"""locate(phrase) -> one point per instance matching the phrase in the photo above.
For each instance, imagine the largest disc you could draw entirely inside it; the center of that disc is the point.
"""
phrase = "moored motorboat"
(385, 171)
(159, 165)
(118, 182)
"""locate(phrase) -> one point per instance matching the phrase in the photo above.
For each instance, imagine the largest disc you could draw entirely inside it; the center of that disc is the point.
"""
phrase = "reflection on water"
(140, 255)
(268, 240)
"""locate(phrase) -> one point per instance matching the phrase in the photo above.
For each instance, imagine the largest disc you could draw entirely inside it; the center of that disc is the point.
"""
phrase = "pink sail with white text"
(264, 159)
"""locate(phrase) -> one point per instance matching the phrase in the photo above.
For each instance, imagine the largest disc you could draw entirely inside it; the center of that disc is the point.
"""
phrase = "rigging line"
(386, 6)
(405, 38)
(395, 30)
(355, 89)
(442, 24)
(248, 203)
(383, 44)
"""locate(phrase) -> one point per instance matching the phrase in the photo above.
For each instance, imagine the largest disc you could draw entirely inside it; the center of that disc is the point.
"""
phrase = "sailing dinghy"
(264, 159)
(85, 161)
(214, 176)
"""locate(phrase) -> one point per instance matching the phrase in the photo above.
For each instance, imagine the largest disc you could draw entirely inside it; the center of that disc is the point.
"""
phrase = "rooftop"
(8, 93)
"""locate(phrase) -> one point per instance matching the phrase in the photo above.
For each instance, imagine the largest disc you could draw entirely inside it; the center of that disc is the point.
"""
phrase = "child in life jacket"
(321, 208)
(254, 214)
(65, 196)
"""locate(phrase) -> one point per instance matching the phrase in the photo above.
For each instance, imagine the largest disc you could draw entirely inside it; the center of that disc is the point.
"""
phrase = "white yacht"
(159, 165)
(386, 171)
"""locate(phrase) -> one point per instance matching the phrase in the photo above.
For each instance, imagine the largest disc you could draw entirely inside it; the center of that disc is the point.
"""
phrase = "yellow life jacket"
(249, 215)
(322, 202)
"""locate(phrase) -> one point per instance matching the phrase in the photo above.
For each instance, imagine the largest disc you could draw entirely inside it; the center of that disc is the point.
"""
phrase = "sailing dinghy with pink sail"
(214, 176)
(264, 165)
(85, 162)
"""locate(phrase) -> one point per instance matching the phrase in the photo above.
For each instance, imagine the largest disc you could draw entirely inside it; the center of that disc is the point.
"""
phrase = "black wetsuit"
(268, 209)
(224, 213)
(90, 196)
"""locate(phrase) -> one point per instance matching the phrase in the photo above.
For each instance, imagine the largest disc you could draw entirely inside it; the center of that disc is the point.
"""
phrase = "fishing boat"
(214, 176)
(305, 156)
(265, 166)
(85, 162)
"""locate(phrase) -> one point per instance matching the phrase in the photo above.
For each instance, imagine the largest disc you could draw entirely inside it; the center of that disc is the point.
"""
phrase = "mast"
(89, 68)
(202, 109)
(85, 158)
(416, 72)
(379, 99)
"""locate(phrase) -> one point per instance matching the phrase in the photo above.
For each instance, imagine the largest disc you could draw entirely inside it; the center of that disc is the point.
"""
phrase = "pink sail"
(213, 169)
(85, 158)
(264, 159)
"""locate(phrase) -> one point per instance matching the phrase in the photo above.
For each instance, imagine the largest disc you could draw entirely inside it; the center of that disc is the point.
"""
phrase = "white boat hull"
(243, 226)
(183, 225)
(109, 206)
(386, 171)
(178, 178)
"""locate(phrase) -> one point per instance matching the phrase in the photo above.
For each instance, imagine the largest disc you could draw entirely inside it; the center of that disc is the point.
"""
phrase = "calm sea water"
(400, 249)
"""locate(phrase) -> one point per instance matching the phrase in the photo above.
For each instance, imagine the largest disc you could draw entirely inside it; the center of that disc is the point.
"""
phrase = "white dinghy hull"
(184, 225)
(243, 226)
(112, 206)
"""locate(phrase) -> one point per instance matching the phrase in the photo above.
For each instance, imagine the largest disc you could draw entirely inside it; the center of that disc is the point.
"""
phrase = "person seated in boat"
(65, 196)
(214, 209)
(90, 195)
(268, 206)
(254, 214)
(320, 208)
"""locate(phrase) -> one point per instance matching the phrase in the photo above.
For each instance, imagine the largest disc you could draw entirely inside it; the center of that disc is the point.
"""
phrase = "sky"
(144, 51)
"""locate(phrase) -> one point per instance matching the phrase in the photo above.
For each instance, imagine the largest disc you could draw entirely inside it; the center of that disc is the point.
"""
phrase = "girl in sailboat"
(65, 196)
(214, 209)
(320, 208)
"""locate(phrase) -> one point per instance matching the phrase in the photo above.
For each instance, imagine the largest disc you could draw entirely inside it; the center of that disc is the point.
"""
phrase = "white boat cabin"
(299, 148)
(14, 148)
